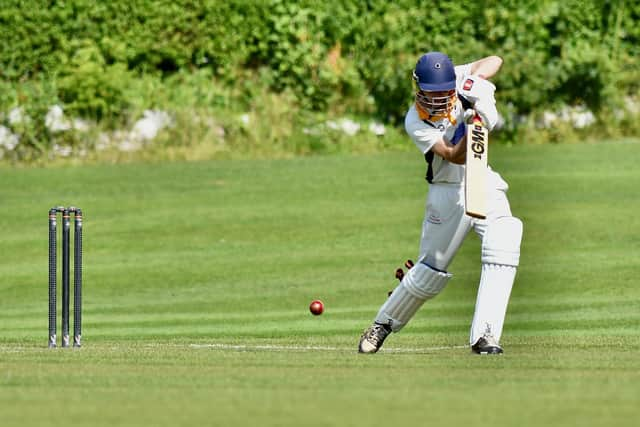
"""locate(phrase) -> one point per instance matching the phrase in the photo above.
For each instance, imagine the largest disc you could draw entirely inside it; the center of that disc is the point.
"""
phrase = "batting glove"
(488, 113)
(475, 88)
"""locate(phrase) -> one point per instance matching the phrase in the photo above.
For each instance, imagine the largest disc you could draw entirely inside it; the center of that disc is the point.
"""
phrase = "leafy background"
(109, 61)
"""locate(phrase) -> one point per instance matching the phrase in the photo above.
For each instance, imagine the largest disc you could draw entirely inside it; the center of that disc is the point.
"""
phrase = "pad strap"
(424, 282)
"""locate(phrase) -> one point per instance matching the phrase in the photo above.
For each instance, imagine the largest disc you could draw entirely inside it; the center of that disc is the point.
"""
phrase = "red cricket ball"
(316, 307)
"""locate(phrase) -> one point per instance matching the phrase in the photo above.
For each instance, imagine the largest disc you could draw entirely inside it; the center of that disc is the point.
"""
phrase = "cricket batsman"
(446, 96)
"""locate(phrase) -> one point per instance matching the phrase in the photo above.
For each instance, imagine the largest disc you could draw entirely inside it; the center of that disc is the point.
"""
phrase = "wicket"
(77, 275)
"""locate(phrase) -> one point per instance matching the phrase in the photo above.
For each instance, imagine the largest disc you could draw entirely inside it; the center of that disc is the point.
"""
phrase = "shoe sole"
(486, 352)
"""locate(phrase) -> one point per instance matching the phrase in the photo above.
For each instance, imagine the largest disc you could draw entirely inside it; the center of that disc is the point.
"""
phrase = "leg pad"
(419, 284)
(501, 242)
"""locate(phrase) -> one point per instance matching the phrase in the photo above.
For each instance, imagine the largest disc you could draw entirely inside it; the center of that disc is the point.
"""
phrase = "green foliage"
(30, 103)
(89, 87)
(349, 57)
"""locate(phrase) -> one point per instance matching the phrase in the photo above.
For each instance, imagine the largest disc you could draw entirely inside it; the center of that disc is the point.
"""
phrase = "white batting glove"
(468, 115)
(488, 113)
(475, 88)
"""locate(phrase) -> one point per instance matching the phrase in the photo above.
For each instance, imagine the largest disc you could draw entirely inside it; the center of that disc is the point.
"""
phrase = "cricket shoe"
(372, 339)
(487, 344)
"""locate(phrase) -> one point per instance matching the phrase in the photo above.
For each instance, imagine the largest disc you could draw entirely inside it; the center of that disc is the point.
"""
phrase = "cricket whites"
(476, 169)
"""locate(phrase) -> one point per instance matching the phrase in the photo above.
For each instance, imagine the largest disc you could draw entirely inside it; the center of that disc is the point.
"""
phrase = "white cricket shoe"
(487, 344)
(372, 339)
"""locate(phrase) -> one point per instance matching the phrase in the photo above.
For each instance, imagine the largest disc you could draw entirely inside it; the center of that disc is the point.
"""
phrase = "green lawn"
(197, 279)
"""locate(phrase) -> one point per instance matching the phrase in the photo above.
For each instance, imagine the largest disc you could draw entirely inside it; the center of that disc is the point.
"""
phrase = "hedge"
(354, 55)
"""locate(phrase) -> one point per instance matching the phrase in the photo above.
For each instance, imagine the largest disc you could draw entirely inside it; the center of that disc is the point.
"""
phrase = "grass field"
(198, 277)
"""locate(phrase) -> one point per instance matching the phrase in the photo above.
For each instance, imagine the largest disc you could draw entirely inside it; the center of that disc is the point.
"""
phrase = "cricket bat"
(475, 192)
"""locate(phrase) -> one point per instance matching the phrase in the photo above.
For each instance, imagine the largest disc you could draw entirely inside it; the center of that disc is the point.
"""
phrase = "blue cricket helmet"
(435, 72)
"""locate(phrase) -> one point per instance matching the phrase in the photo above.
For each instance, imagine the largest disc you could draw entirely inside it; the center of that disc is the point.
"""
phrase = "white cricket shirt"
(426, 134)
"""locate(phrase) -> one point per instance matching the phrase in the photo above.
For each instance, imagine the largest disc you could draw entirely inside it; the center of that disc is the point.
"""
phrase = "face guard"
(437, 104)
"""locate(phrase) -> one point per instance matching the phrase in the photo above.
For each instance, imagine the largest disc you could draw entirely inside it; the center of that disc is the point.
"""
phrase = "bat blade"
(476, 169)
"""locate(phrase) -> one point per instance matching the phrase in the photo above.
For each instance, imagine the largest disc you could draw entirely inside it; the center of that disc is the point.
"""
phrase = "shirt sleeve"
(422, 134)
(462, 71)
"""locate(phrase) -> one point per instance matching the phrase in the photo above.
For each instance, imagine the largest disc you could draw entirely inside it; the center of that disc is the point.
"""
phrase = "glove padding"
(480, 92)
(475, 88)
(469, 113)
(488, 113)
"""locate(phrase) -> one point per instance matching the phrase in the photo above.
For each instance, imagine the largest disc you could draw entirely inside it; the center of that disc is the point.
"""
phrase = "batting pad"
(419, 284)
(501, 241)
(496, 282)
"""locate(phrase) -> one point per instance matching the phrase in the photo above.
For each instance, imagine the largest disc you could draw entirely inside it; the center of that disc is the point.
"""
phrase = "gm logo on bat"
(477, 136)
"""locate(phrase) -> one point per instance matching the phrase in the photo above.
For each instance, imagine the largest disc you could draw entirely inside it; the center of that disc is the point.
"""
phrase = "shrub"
(109, 61)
